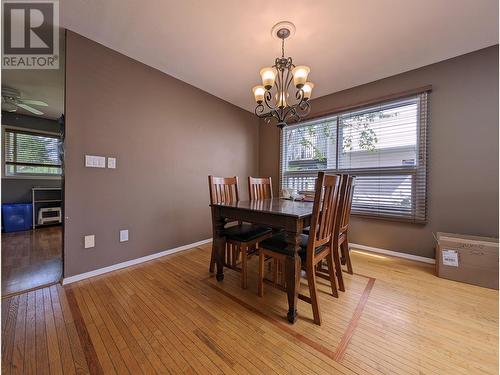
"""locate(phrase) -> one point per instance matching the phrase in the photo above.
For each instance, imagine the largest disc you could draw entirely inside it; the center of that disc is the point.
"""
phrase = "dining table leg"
(219, 243)
(292, 272)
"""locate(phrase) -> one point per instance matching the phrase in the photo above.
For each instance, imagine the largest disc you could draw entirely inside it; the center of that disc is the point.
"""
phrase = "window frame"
(6, 128)
(418, 171)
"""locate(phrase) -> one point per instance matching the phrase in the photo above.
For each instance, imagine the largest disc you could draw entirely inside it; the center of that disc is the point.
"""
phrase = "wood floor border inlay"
(83, 334)
(336, 355)
(349, 332)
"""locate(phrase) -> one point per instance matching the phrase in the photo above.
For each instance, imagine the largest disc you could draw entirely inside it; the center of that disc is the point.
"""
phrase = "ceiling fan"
(11, 101)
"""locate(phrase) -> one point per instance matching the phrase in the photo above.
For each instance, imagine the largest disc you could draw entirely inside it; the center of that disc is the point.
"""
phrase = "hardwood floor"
(31, 259)
(169, 315)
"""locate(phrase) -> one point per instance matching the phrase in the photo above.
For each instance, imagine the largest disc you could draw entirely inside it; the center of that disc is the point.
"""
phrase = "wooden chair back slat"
(324, 212)
(260, 188)
(346, 194)
(223, 189)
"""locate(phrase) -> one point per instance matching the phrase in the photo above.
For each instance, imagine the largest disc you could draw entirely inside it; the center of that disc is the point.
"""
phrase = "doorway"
(32, 177)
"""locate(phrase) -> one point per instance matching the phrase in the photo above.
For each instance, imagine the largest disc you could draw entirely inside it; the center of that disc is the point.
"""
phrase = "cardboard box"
(469, 259)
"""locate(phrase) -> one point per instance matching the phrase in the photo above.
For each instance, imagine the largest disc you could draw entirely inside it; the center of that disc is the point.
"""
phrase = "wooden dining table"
(278, 213)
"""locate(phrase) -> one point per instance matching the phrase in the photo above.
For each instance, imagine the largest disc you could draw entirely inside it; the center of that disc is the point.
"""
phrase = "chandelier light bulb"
(258, 92)
(307, 89)
(268, 76)
(300, 74)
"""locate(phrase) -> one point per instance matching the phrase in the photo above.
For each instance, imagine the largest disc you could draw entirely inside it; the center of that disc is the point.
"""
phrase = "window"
(383, 145)
(31, 154)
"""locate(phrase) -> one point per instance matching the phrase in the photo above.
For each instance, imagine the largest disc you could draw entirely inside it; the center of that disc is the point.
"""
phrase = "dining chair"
(343, 221)
(314, 247)
(341, 242)
(260, 187)
(241, 238)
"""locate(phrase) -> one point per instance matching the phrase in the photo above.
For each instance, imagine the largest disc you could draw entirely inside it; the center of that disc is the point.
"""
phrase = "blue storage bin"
(17, 216)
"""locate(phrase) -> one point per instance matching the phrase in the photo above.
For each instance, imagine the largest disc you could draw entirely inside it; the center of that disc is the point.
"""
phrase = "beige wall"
(463, 151)
(167, 137)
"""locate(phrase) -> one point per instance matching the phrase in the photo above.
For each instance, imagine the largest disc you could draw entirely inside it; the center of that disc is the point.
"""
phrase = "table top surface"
(276, 206)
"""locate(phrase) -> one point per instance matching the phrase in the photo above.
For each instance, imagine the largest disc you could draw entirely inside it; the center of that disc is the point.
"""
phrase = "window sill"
(31, 177)
(389, 218)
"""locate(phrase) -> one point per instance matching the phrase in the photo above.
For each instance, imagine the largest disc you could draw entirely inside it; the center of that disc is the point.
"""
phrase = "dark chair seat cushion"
(307, 230)
(246, 232)
(278, 244)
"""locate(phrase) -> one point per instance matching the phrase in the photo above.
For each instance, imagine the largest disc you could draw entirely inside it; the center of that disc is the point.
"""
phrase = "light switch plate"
(112, 163)
(89, 241)
(100, 162)
(92, 161)
(124, 235)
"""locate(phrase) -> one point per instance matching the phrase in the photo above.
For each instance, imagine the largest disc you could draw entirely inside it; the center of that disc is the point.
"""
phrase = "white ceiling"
(46, 85)
(220, 45)
(38, 84)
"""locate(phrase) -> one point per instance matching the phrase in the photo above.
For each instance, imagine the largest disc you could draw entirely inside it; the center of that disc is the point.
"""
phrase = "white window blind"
(383, 145)
(32, 154)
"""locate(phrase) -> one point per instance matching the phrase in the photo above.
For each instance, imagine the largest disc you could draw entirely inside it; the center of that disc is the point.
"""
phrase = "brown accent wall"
(463, 151)
(167, 137)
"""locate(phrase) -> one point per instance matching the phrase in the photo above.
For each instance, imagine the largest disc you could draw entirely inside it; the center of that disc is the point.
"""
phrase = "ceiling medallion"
(273, 96)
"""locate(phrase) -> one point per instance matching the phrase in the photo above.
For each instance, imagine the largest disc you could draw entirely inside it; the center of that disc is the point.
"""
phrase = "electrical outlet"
(89, 241)
(124, 235)
(112, 163)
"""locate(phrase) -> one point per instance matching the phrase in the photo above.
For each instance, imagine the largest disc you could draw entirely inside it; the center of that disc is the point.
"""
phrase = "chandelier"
(277, 104)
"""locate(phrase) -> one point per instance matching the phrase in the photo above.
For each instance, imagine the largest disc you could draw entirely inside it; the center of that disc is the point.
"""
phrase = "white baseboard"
(100, 271)
(392, 253)
(114, 267)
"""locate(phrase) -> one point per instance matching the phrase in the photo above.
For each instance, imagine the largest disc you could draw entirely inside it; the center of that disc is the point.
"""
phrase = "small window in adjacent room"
(383, 145)
(28, 153)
